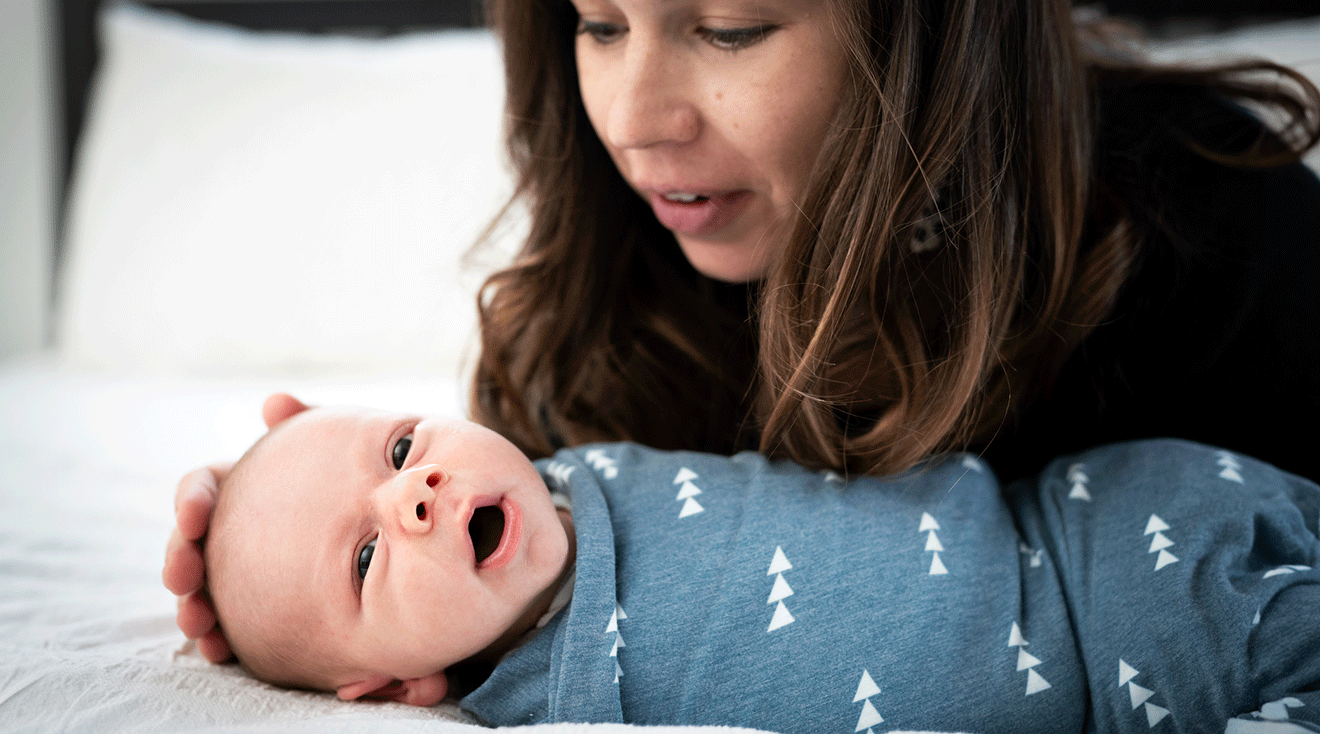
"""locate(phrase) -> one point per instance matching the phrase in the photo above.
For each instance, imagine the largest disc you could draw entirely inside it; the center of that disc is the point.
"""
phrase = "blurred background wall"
(27, 181)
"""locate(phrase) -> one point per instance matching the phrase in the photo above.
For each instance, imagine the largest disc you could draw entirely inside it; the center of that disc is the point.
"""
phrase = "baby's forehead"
(328, 431)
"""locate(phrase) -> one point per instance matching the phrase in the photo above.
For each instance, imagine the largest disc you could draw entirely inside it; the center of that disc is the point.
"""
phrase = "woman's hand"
(185, 572)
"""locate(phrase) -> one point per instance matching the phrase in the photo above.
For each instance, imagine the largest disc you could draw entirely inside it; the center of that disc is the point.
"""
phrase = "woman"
(855, 233)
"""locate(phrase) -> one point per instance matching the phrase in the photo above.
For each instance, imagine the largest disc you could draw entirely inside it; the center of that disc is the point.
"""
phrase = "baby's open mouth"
(486, 528)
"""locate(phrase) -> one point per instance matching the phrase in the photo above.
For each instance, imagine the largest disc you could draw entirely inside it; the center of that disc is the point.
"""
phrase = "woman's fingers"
(195, 499)
(213, 646)
(184, 569)
(195, 617)
(184, 573)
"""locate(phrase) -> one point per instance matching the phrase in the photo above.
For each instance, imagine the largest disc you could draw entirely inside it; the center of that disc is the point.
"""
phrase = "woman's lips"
(707, 215)
(509, 539)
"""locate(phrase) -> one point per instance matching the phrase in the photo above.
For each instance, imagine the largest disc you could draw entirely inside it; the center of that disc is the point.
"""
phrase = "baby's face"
(403, 544)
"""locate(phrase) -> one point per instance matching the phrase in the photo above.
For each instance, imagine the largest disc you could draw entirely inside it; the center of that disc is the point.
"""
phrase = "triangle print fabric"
(781, 590)
(1026, 661)
(687, 493)
(866, 688)
(929, 525)
(937, 600)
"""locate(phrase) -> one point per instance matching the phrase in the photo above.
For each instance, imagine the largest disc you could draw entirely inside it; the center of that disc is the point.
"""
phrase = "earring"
(928, 231)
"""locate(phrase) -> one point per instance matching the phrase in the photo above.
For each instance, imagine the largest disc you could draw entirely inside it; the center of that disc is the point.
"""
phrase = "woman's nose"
(652, 102)
(410, 497)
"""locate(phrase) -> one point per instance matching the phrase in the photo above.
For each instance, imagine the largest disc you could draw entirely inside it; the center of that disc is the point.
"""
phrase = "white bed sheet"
(88, 466)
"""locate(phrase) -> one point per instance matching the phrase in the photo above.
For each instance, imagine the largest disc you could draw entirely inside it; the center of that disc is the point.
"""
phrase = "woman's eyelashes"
(399, 452)
(602, 33)
(735, 39)
(364, 560)
(725, 39)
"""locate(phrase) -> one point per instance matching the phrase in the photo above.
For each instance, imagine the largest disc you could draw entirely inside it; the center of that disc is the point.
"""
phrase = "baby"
(1157, 585)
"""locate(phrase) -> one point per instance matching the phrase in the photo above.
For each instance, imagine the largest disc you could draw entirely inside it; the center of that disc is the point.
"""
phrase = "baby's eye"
(364, 559)
(400, 451)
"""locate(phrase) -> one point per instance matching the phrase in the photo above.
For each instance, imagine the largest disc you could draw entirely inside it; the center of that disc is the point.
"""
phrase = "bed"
(251, 211)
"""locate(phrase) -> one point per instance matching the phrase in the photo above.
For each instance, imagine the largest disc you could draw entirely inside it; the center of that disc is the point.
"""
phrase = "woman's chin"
(730, 263)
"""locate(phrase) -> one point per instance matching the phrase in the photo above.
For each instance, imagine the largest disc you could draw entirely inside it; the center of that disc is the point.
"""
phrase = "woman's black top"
(1216, 337)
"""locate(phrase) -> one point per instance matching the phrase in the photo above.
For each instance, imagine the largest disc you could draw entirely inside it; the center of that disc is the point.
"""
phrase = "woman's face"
(714, 111)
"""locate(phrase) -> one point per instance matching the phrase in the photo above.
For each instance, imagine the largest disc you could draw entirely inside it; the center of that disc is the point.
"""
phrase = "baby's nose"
(413, 495)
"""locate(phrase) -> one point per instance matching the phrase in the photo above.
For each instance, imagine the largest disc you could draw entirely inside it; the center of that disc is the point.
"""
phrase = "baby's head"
(365, 552)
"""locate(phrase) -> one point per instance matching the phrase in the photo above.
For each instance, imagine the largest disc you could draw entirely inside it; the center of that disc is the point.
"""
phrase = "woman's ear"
(280, 407)
(425, 691)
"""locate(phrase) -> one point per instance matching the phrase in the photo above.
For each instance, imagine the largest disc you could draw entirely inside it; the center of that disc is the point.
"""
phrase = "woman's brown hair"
(856, 351)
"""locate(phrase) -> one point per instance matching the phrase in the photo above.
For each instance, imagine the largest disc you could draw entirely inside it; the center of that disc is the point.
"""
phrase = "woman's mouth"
(495, 531)
(695, 214)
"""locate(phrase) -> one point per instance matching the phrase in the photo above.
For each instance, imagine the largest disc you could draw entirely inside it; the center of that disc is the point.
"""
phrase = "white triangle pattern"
(1125, 673)
(690, 507)
(780, 591)
(1026, 661)
(833, 478)
(1160, 542)
(1078, 478)
(929, 525)
(1139, 696)
(1155, 714)
(782, 618)
(613, 626)
(1230, 467)
(687, 493)
(687, 490)
(866, 687)
(602, 463)
(971, 462)
(869, 717)
(1035, 683)
(1155, 525)
(1032, 553)
(1278, 710)
(559, 472)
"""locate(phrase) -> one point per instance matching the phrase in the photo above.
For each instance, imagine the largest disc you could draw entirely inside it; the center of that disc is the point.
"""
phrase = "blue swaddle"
(1152, 586)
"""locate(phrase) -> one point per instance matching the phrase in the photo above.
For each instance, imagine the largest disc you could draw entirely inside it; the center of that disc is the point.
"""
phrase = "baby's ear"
(425, 691)
(280, 407)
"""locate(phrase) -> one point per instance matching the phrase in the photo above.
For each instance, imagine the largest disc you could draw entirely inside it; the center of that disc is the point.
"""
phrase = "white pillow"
(257, 203)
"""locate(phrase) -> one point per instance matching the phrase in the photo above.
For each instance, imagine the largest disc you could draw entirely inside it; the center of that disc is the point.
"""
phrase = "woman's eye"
(364, 559)
(601, 33)
(400, 451)
(734, 39)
